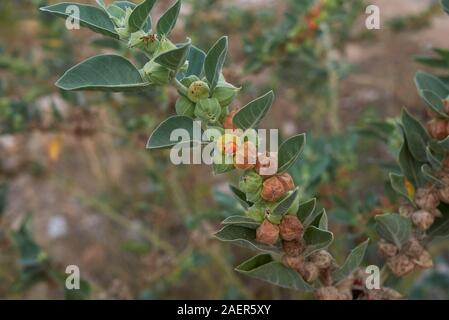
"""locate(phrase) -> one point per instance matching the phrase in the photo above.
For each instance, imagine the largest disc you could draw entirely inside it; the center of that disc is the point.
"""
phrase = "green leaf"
(103, 72)
(167, 22)
(282, 207)
(430, 176)
(445, 5)
(434, 102)
(324, 221)
(427, 81)
(139, 16)
(101, 4)
(91, 17)
(196, 62)
(398, 183)
(160, 138)
(393, 228)
(175, 58)
(417, 137)
(241, 221)
(241, 197)
(306, 208)
(352, 262)
(316, 239)
(263, 267)
(440, 228)
(433, 160)
(250, 115)
(432, 62)
(214, 61)
(409, 166)
(245, 237)
(289, 151)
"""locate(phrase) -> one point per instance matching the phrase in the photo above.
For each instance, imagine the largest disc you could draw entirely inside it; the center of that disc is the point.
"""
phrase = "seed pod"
(208, 110)
(246, 156)
(437, 128)
(275, 187)
(156, 74)
(422, 219)
(424, 260)
(185, 107)
(446, 105)
(287, 181)
(382, 294)
(294, 247)
(387, 249)
(322, 259)
(225, 93)
(413, 248)
(294, 262)
(199, 90)
(406, 210)
(250, 182)
(257, 212)
(137, 39)
(187, 81)
(309, 271)
(328, 293)
(164, 46)
(227, 121)
(290, 228)
(267, 233)
(427, 198)
(345, 288)
(443, 194)
(267, 165)
(400, 265)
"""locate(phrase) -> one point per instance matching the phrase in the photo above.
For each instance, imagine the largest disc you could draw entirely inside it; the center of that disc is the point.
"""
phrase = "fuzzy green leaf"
(175, 58)
(250, 115)
(282, 207)
(411, 168)
(167, 22)
(241, 221)
(91, 17)
(352, 262)
(434, 102)
(196, 62)
(289, 151)
(263, 267)
(429, 175)
(417, 137)
(214, 61)
(306, 209)
(241, 197)
(398, 183)
(139, 16)
(316, 239)
(433, 160)
(393, 228)
(103, 72)
(445, 5)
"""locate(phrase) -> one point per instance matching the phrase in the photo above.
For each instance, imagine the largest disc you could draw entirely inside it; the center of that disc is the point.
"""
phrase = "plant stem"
(182, 89)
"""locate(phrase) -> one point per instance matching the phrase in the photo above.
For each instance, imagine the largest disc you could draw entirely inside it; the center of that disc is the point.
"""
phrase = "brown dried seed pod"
(400, 265)
(290, 228)
(267, 233)
(386, 249)
(246, 156)
(437, 128)
(322, 259)
(422, 219)
(406, 210)
(424, 260)
(287, 181)
(427, 198)
(272, 189)
(293, 262)
(382, 294)
(294, 247)
(443, 194)
(309, 271)
(328, 293)
(266, 165)
(413, 248)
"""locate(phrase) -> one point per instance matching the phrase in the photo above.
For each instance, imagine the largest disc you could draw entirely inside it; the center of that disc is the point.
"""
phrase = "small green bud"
(225, 93)
(185, 107)
(156, 73)
(198, 90)
(136, 39)
(256, 212)
(208, 110)
(250, 183)
(187, 81)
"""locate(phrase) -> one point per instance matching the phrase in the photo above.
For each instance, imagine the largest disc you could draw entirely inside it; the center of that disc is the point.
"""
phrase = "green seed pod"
(164, 46)
(187, 81)
(185, 107)
(198, 90)
(256, 212)
(250, 183)
(156, 73)
(208, 110)
(225, 93)
(136, 39)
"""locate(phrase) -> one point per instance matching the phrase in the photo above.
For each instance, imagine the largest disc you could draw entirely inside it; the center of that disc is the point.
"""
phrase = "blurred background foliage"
(78, 187)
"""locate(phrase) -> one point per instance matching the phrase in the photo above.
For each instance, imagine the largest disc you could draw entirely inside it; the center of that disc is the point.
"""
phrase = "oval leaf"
(161, 136)
(139, 16)
(393, 228)
(241, 221)
(427, 81)
(214, 61)
(91, 17)
(289, 152)
(104, 73)
(434, 102)
(398, 183)
(263, 267)
(430, 176)
(175, 58)
(167, 22)
(417, 137)
(245, 237)
(250, 115)
(305, 209)
(316, 239)
(196, 62)
(241, 197)
(352, 262)
(411, 168)
(285, 204)
(445, 4)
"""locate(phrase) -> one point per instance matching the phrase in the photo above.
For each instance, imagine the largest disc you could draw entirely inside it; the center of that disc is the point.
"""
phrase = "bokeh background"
(77, 186)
